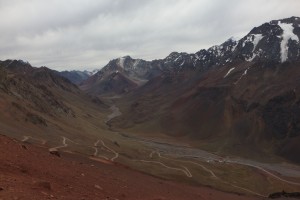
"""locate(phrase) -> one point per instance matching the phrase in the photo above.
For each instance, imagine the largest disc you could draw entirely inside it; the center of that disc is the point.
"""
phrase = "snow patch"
(203, 57)
(229, 72)
(217, 50)
(254, 39)
(92, 72)
(194, 63)
(121, 62)
(251, 58)
(234, 47)
(257, 53)
(135, 64)
(244, 74)
(177, 58)
(288, 34)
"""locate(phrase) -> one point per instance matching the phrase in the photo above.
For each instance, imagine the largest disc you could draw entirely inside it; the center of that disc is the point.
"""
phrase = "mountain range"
(276, 41)
(242, 92)
(240, 98)
(249, 87)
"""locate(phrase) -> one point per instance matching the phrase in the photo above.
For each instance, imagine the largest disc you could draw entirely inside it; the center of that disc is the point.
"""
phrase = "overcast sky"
(86, 34)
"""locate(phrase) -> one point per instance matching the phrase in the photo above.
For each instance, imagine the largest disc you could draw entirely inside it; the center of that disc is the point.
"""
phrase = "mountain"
(276, 41)
(76, 76)
(119, 76)
(23, 82)
(240, 97)
(38, 100)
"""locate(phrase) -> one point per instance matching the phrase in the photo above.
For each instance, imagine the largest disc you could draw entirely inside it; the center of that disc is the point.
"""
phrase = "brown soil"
(31, 172)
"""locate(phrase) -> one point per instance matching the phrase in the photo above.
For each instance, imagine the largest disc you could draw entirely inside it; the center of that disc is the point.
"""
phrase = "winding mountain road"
(59, 147)
(95, 147)
(182, 152)
(267, 172)
(64, 142)
(185, 170)
(96, 153)
(185, 161)
(108, 148)
(213, 175)
(116, 154)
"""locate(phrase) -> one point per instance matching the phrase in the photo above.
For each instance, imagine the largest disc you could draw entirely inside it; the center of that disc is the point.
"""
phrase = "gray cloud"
(69, 34)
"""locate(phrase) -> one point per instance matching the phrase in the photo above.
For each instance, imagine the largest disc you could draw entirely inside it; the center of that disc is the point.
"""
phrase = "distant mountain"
(76, 76)
(119, 76)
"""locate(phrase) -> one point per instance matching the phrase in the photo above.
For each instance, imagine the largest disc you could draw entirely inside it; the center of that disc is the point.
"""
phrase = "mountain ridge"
(276, 41)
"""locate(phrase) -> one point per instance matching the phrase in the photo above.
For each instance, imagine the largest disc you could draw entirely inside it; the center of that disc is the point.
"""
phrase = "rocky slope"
(40, 101)
(30, 172)
(34, 87)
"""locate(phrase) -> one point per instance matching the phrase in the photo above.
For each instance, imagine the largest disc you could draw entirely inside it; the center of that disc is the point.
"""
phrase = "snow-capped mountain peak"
(276, 41)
